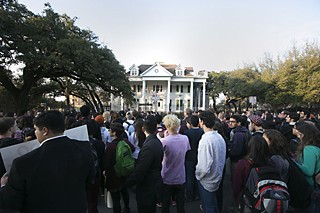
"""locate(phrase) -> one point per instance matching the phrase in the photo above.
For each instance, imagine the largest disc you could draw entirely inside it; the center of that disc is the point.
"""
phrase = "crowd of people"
(176, 160)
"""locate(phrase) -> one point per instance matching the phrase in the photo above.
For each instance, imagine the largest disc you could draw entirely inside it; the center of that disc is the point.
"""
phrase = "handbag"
(108, 199)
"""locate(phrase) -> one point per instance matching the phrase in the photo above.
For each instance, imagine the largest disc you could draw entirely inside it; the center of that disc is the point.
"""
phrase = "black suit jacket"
(147, 173)
(51, 178)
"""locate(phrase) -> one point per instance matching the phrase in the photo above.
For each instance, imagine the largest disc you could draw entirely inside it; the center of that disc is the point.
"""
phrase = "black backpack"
(298, 187)
(95, 157)
(265, 191)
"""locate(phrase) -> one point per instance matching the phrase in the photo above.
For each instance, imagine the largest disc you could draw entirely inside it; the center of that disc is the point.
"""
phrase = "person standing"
(309, 160)
(114, 183)
(147, 173)
(194, 134)
(239, 137)
(173, 171)
(53, 177)
(8, 128)
(211, 160)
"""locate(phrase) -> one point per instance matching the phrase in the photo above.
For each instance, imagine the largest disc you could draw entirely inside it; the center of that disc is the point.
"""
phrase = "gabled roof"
(171, 68)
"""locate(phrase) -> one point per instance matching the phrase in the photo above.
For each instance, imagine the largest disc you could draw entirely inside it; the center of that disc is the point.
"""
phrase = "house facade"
(167, 87)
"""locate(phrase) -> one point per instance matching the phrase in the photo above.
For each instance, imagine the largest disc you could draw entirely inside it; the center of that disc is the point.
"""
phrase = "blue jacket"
(239, 138)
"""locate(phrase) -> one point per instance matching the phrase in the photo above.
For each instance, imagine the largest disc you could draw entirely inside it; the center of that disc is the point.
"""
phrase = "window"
(188, 88)
(177, 88)
(188, 103)
(181, 88)
(177, 105)
(139, 88)
(170, 88)
(134, 88)
(157, 88)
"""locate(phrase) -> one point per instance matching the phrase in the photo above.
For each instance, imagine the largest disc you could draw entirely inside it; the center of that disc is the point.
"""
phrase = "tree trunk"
(21, 100)
(214, 104)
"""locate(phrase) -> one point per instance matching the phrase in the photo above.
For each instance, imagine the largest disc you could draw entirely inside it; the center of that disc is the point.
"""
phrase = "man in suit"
(147, 173)
(53, 177)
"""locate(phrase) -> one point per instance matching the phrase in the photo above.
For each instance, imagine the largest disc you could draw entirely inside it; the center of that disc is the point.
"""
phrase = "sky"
(207, 35)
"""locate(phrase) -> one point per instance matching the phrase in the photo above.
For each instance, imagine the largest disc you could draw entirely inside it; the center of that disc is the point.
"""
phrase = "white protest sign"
(11, 152)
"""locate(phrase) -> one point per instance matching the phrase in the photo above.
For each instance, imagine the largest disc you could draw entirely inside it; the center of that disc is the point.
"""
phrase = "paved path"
(191, 207)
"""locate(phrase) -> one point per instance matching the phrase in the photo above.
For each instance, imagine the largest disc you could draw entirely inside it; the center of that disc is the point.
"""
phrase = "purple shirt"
(175, 148)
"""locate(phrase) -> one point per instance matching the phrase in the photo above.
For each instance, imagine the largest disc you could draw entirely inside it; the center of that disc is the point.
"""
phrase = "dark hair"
(69, 121)
(5, 124)
(53, 120)
(237, 118)
(93, 128)
(219, 127)
(193, 120)
(85, 111)
(158, 118)
(150, 125)
(306, 113)
(269, 117)
(258, 151)
(278, 143)
(244, 121)
(208, 118)
(141, 137)
(295, 116)
(9, 114)
(311, 135)
(117, 128)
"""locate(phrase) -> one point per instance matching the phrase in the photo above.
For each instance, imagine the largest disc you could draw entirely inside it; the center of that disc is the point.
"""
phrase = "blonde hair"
(172, 122)
(106, 116)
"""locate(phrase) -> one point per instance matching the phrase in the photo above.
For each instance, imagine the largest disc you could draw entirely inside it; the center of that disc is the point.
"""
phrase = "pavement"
(190, 207)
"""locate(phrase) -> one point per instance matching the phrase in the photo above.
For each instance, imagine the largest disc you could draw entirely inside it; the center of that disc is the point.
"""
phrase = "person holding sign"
(51, 178)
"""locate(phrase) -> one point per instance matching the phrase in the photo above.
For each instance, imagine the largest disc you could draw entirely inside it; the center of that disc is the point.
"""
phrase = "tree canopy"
(38, 49)
(289, 81)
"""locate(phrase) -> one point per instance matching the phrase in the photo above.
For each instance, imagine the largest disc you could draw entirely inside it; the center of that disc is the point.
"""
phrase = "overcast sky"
(204, 34)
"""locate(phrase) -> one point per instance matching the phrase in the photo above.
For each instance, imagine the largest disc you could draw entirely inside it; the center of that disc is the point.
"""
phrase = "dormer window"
(179, 71)
(134, 70)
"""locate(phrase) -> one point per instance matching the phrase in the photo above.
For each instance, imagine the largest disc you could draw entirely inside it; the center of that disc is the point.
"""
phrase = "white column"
(204, 96)
(191, 95)
(111, 100)
(143, 91)
(121, 103)
(168, 97)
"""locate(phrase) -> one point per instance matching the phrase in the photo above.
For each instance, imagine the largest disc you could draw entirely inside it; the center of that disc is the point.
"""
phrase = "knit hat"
(256, 119)
(99, 119)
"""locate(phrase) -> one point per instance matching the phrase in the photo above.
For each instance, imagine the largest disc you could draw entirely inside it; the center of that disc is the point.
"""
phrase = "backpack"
(124, 160)
(265, 191)
(95, 158)
(298, 187)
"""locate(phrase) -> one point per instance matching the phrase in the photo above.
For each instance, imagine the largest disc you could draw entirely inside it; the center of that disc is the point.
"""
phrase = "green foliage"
(292, 80)
(51, 46)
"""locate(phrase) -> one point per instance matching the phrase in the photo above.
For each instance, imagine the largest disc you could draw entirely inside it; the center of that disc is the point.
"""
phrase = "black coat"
(51, 178)
(147, 173)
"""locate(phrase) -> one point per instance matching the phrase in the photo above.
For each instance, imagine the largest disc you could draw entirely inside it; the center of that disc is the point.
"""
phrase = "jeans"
(178, 191)
(192, 189)
(208, 200)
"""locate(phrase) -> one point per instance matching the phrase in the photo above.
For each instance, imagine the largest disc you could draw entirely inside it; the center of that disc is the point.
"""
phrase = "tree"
(50, 46)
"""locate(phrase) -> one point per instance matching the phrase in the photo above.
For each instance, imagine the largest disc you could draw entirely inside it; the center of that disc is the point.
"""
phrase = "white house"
(167, 87)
